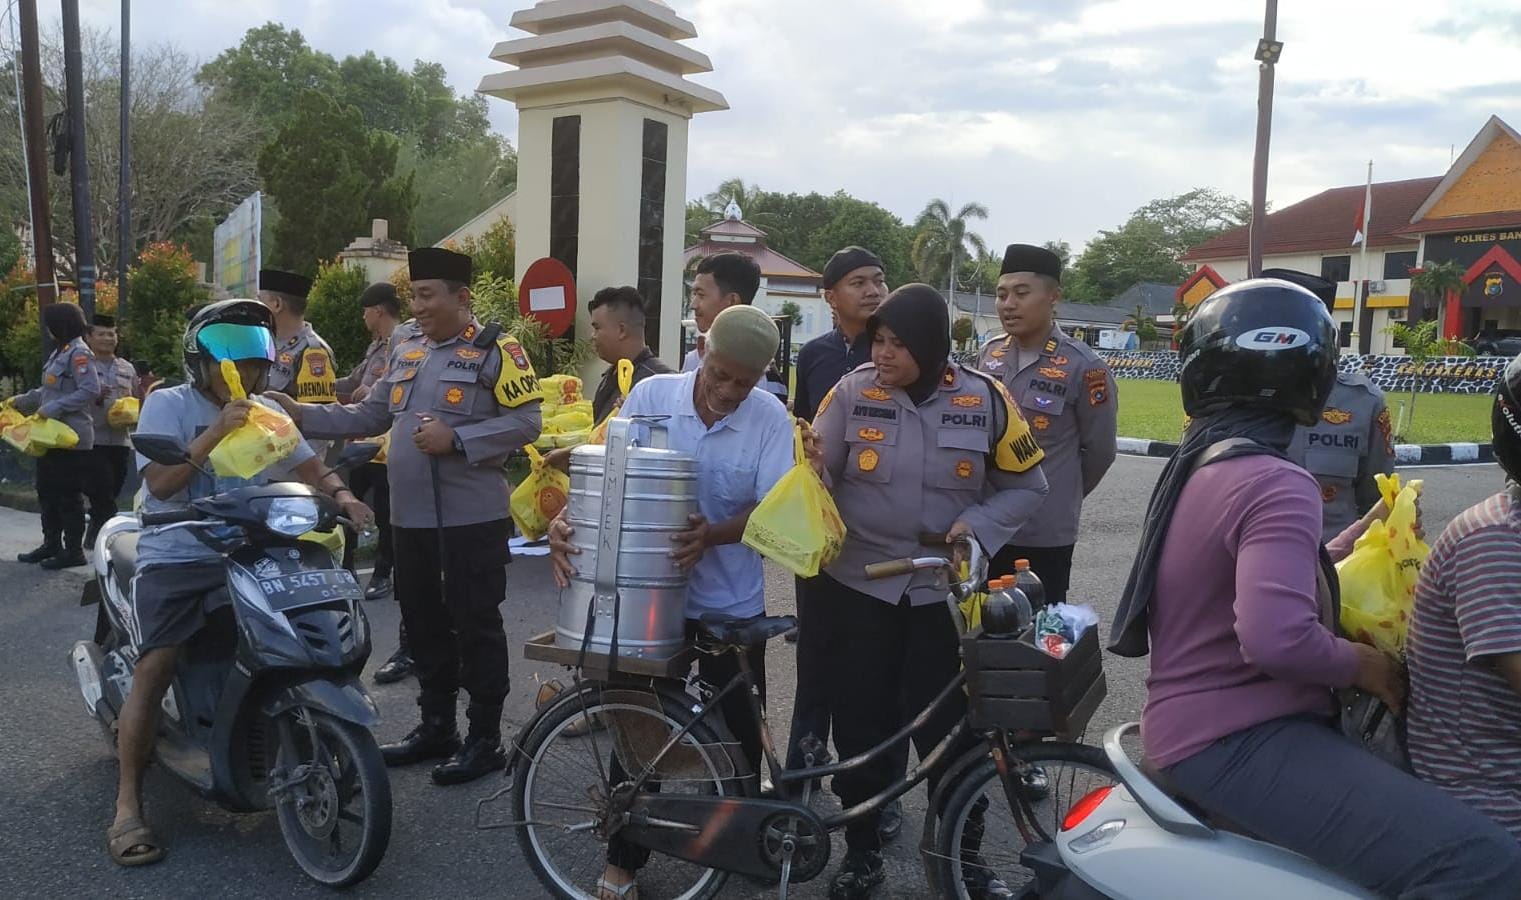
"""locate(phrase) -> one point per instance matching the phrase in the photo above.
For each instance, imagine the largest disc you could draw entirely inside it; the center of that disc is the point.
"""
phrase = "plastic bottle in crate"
(1027, 581)
(1007, 611)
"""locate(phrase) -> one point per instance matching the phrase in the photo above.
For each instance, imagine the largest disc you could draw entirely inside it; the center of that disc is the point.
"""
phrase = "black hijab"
(1257, 432)
(917, 315)
(64, 321)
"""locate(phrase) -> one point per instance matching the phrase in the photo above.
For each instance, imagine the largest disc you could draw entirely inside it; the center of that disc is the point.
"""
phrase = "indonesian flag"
(1359, 228)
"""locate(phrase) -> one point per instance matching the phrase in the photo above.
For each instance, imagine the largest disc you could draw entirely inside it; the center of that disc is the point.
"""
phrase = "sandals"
(129, 836)
(606, 889)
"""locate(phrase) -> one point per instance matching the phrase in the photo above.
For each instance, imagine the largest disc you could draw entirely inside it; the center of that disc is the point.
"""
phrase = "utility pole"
(124, 184)
(36, 161)
(79, 165)
(1269, 49)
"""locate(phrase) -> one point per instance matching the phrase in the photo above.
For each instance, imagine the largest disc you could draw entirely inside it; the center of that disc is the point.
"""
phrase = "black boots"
(858, 876)
(435, 738)
(396, 668)
(69, 557)
(48, 550)
(482, 753)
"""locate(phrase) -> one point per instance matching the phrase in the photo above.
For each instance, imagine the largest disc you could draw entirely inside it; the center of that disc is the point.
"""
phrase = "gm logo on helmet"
(1274, 338)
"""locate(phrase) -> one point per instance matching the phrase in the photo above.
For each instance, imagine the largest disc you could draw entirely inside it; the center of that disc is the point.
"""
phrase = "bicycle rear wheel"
(977, 843)
(561, 792)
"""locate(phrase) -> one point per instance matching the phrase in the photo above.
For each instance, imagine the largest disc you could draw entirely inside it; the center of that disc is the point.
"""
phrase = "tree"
(942, 238)
(1148, 245)
(334, 311)
(863, 224)
(330, 175)
(1062, 249)
(192, 159)
(790, 310)
(1437, 280)
(454, 186)
(1142, 323)
(1422, 344)
(963, 330)
(163, 288)
(493, 254)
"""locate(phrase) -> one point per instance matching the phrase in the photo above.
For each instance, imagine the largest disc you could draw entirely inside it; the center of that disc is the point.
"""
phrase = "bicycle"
(629, 758)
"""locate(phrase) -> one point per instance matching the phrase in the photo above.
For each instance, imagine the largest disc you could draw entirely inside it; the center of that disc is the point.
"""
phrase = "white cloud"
(1062, 116)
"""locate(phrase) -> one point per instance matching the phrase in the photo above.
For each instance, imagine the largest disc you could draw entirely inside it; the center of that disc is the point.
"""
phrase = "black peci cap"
(284, 282)
(1030, 258)
(427, 263)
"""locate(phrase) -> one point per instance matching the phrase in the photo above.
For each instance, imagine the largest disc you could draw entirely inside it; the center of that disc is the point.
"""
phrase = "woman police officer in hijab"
(913, 443)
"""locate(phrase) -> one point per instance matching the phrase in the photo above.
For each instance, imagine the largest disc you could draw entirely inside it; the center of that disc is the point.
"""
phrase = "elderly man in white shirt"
(741, 437)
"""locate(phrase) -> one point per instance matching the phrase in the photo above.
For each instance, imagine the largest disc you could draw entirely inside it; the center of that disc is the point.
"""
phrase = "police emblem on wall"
(1494, 284)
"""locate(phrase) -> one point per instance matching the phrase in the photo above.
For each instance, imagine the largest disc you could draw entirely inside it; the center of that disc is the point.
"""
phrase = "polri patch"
(868, 460)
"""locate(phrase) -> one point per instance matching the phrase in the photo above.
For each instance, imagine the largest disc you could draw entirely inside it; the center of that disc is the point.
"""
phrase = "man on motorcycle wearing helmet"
(1465, 640)
(176, 571)
(1233, 590)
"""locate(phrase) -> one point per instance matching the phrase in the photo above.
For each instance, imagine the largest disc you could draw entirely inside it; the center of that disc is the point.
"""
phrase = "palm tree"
(943, 238)
(1422, 344)
(1437, 280)
(1143, 323)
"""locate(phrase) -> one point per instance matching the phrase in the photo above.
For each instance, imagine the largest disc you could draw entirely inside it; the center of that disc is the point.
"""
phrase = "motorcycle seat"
(1217, 822)
(122, 552)
(744, 632)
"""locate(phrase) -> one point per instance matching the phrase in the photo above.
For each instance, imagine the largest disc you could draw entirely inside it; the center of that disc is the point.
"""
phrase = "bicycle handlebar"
(977, 565)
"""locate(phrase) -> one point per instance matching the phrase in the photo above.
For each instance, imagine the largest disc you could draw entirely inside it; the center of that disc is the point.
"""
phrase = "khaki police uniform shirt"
(1352, 442)
(490, 397)
(70, 387)
(1067, 394)
(303, 369)
(369, 370)
(117, 380)
(900, 470)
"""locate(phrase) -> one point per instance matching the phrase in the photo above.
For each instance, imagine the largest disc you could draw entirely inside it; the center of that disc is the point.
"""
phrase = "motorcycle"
(266, 708)
(1133, 840)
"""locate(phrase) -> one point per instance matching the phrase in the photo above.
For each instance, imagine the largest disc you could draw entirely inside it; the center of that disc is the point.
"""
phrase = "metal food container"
(626, 501)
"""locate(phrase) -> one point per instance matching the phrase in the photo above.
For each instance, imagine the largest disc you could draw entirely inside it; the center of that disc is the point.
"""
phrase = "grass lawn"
(1152, 409)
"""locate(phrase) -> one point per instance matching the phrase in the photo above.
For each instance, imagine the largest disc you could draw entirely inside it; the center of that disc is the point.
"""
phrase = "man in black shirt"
(617, 320)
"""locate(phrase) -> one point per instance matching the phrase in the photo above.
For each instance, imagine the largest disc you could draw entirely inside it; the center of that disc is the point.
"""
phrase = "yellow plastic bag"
(1378, 579)
(333, 541)
(35, 436)
(625, 384)
(265, 439)
(539, 498)
(797, 525)
(123, 413)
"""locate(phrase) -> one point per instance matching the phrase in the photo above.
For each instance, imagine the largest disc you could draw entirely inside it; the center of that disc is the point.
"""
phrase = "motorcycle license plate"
(310, 587)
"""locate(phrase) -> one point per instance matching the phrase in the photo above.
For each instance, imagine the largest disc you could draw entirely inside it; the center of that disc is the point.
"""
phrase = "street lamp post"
(1269, 49)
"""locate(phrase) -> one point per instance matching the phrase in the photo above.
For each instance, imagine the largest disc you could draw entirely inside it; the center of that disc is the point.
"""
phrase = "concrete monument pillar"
(603, 108)
(377, 255)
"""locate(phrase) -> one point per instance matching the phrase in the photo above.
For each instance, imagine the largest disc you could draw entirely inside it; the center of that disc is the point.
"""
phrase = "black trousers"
(63, 476)
(716, 672)
(889, 662)
(369, 483)
(108, 475)
(810, 705)
(1052, 565)
(456, 636)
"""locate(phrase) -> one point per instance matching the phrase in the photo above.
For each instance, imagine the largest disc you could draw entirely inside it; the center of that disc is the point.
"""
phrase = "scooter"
(266, 708)
(1133, 840)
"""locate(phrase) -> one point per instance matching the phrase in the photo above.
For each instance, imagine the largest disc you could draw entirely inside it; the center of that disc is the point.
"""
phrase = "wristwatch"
(459, 444)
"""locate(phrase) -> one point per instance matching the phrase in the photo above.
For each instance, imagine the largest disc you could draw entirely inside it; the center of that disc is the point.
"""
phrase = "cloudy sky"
(1061, 116)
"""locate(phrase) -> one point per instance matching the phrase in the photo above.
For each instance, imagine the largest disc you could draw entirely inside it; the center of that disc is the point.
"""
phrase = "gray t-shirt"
(182, 412)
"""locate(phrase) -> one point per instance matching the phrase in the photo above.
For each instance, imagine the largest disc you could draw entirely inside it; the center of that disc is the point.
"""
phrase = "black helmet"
(1261, 343)
(228, 329)
(1505, 420)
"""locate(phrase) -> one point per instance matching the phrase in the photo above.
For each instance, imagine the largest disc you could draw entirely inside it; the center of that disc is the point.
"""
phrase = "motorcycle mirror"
(161, 448)
(358, 454)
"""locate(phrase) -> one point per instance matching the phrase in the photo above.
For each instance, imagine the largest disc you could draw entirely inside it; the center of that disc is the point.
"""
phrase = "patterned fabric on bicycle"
(638, 738)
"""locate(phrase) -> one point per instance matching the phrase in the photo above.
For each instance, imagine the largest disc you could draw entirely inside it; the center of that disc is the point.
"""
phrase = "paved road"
(57, 781)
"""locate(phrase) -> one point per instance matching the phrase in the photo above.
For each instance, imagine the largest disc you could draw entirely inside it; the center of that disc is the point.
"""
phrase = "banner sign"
(235, 249)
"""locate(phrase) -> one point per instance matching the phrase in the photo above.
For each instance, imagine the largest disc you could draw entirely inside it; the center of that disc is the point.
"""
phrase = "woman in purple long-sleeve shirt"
(1234, 593)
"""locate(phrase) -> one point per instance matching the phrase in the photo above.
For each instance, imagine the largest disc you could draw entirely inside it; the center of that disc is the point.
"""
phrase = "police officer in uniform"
(118, 379)
(303, 365)
(1067, 394)
(457, 398)
(913, 443)
(1352, 441)
(70, 387)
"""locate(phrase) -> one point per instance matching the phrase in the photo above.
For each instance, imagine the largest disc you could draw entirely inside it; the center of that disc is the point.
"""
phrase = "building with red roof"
(783, 278)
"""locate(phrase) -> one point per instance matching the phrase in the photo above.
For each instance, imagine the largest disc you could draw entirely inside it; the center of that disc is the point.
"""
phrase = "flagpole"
(1359, 292)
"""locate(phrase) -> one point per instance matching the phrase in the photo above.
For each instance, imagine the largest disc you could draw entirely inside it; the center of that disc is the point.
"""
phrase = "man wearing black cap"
(1067, 393)
(457, 398)
(118, 379)
(1352, 442)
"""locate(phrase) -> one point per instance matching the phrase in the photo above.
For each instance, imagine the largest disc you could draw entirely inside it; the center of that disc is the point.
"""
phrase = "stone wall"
(1446, 375)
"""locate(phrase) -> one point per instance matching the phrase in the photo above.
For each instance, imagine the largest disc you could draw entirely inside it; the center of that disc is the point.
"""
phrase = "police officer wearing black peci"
(1351, 442)
(458, 397)
(70, 387)
(1066, 394)
(913, 443)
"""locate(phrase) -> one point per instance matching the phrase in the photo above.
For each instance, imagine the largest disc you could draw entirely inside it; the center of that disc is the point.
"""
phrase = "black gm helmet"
(228, 329)
(1505, 420)
(1260, 343)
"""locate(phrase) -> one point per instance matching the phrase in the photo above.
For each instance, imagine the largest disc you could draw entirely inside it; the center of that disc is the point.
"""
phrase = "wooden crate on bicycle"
(1015, 685)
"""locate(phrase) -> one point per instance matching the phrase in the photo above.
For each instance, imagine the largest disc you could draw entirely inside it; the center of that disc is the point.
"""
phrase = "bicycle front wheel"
(576, 758)
(978, 844)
